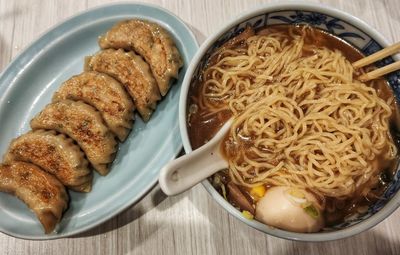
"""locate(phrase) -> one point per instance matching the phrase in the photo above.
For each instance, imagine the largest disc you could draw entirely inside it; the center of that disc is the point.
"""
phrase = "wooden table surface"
(191, 223)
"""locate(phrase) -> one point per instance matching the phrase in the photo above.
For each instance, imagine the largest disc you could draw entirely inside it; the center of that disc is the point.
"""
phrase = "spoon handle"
(185, 172)
(188, 170)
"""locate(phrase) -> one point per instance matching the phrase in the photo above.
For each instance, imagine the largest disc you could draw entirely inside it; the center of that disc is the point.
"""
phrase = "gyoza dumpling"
(104, 93)
(40, 191)
(152, 42)
(85, 125)
(133, 73)
(56, 154)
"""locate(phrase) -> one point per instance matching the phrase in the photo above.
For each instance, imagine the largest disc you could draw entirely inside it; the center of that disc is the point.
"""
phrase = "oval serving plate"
(28, 84)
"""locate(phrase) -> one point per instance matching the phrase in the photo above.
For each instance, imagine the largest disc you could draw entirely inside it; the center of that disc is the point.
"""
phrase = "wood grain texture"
(191, 223)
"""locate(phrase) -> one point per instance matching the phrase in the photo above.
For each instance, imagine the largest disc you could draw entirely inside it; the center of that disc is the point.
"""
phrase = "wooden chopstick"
(380, 72)
(377, 55)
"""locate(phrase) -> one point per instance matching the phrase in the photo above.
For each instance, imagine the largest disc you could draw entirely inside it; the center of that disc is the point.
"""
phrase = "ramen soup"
(310, 145)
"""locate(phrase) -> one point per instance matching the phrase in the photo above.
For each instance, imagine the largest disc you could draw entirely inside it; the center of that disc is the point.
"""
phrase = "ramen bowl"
(343, 25)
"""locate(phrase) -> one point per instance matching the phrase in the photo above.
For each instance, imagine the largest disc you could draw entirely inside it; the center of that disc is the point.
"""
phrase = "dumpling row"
(105, 94)
(87, 112)
(133, 72)
(54, 153)
(39, 163)
(85, 125)
(125, 46)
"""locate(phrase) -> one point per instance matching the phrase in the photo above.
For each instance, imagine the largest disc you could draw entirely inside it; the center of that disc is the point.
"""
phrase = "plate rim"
(29, 47)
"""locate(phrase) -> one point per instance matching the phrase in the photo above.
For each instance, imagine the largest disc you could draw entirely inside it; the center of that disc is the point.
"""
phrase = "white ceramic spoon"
(190, 169)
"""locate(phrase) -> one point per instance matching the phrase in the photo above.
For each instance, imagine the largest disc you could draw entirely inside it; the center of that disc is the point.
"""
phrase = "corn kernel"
(296, 193)
(247, 215)
(257, 192)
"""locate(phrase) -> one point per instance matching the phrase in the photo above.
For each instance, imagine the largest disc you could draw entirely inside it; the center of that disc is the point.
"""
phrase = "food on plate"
(104, 93)
(304, 125)
(54, 153)
(87, 112)
(152, 42)
(134, 73)
(40, 191)
(83, 124)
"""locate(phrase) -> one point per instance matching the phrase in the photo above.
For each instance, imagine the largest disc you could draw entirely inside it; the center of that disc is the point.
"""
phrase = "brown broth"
(201, 129)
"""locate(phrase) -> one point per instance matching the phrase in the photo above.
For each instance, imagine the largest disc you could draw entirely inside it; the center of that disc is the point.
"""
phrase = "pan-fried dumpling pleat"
(56, 154)
(85, 125)
(41, 192)
(152, 42)
(131, 70)
(104, 93)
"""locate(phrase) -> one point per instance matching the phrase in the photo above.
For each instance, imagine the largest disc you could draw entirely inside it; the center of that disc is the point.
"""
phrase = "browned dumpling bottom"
(85, 125)
(104, 93)
(54, 153)
(40, 191)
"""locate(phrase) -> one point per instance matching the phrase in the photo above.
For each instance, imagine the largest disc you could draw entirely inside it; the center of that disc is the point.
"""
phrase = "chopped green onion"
(312, 211)
(223, 191)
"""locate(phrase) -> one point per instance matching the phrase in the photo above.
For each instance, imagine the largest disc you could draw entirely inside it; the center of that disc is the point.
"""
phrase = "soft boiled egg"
(290, 209)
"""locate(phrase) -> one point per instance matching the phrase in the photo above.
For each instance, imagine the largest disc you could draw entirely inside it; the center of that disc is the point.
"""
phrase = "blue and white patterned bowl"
(343, 25)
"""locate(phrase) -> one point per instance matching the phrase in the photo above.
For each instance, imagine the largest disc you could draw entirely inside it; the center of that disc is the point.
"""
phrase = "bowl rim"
(388, 209)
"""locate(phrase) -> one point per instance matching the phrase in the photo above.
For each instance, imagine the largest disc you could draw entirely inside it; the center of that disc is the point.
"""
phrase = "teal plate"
(28, 84)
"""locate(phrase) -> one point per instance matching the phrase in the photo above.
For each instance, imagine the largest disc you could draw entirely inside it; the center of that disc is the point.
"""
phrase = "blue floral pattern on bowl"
(345, 31)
